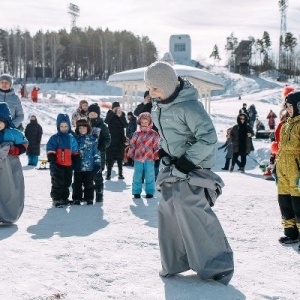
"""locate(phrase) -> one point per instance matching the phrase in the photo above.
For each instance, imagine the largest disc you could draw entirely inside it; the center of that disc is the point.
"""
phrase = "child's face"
(156, 93)
(83, 130)
(84, 106)
(63, 127)
(144, 122)
(290, 109)
(2, 125)
(93, 115)
(4, 85)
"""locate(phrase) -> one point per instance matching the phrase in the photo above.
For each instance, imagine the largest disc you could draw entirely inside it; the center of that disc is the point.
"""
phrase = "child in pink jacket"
(143, 148)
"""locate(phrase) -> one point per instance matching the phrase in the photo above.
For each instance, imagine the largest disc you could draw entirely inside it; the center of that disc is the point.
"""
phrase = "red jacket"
(34, 93)
(144, 145)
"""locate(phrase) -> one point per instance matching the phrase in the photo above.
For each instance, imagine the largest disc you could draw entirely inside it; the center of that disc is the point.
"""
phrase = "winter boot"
(99, 196)
(89, 202)
(287, 240)
(58, 203)
(242, 170)
(136, 196)
(227, 163)
(231, 169)
(149, 196)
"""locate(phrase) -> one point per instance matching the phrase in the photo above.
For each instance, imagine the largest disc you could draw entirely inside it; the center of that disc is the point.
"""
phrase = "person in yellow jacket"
(288, 171)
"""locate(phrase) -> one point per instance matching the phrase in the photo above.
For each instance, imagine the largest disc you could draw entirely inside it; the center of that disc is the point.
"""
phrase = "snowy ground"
(111, 251)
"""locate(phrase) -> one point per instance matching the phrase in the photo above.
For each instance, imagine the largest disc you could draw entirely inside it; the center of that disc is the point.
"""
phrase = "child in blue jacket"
(62, 153)
(89, 163)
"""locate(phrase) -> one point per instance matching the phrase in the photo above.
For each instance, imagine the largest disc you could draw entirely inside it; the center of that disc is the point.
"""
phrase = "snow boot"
(76, 202)
(287, 240)
(136, 196)
(149, 196)
(58, 203)
(99, 196)
(89, 202)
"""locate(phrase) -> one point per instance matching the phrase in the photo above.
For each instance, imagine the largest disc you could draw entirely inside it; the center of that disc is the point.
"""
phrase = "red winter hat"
(286, 90)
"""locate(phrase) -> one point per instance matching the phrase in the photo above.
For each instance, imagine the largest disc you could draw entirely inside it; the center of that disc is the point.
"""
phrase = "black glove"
(162, 153)
(165, 158)
(51, 157)
(184, 165)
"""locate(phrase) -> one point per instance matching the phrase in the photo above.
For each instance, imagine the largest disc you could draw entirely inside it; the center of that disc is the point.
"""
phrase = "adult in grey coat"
(8, 95)
(190, 235)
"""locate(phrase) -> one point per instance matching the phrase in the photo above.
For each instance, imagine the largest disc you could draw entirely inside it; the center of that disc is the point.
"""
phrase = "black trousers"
(290, 213)
(235, 160)
(61, 180)
(110, 164)
(83, 186)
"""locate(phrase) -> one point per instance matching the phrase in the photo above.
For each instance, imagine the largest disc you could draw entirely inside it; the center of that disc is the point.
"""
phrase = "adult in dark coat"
(100, 131)
(33, 133)
(241, 137)
(145, 106)
(130, 130)
(116, 121)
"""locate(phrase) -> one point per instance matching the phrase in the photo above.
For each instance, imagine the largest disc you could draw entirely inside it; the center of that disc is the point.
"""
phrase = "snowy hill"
(111, 251)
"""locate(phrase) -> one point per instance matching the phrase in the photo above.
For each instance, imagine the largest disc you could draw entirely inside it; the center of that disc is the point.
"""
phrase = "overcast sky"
(207, 22)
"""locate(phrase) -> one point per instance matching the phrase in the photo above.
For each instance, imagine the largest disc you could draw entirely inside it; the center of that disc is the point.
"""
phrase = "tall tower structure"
(74, 12)
(283, 4)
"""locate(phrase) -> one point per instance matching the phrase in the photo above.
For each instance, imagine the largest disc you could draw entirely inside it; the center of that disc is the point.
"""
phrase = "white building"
(180, 48)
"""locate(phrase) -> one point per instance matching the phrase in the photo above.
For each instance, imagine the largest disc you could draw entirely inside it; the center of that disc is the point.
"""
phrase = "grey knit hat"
(6, 77)
(161, 75)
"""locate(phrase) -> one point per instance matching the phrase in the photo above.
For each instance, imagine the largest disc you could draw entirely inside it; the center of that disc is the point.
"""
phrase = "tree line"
(262, 57)
(80, 54)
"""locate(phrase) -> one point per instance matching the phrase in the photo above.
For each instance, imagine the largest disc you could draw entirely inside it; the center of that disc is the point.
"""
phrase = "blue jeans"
(147, 169)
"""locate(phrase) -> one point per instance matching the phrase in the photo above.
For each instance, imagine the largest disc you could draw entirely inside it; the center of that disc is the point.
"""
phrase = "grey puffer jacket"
(185, 128)
(14, 104)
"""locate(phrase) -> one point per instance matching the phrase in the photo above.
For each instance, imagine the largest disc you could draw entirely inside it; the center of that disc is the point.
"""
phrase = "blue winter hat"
(5, 114)
(63, 118)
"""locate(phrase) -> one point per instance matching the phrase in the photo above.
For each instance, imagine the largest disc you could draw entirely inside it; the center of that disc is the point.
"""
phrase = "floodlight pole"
(74, 12)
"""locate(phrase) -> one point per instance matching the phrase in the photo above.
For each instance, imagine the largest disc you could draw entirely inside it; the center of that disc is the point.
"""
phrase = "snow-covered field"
(110, 251)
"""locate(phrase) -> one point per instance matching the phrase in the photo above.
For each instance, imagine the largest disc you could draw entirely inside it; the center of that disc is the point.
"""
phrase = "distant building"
(180, 48)
(242, 57)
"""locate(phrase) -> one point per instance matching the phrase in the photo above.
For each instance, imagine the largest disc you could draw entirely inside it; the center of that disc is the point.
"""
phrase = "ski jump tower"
(74, 12)
(283, 4)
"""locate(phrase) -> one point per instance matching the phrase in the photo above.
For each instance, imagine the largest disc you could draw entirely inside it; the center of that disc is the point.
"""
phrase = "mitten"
(14, 151)
(175, 172)
(184, 165)
(165, 158)
(17, 149)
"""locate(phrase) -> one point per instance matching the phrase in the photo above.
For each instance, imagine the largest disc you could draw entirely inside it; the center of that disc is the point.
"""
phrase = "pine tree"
(215, 54)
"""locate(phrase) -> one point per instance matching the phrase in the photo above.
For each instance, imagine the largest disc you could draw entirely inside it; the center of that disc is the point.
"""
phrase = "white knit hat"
(161, 75)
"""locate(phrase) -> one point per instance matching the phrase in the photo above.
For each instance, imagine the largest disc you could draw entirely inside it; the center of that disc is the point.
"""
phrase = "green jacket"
(185, 128)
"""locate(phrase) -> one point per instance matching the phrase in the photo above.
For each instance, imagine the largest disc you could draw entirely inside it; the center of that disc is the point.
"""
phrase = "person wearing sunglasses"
(241, 137)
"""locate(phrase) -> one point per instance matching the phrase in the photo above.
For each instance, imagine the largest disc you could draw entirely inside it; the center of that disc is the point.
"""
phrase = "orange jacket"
(34, 93)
